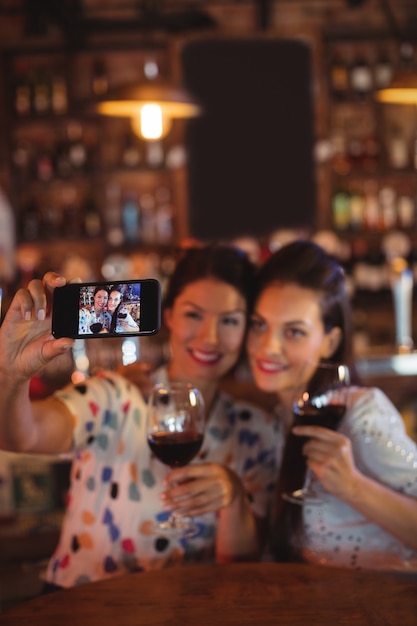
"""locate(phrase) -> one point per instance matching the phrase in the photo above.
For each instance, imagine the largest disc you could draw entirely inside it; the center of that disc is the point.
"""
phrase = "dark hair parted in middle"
(218, 261)
(306, 264)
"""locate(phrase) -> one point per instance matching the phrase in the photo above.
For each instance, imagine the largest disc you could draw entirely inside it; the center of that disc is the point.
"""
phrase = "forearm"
(17, 426)
(237, 534)
(395, 512)
(43, 426)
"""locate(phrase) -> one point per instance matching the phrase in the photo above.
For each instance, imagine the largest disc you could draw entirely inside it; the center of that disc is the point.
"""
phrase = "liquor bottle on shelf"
(164, 216)
(361, 79)
(340, 162)
(22, 155)
(388, 207)
(31, 222)
(51, 226)
(356, 209)
(132, 156)
(112, 215)
(341, 209)
(71, 218)
(44, 166)
(92, 218)
(63, 167)
(147, 214)
(130, 217)
(372, 214)
(22, 104)
(339, 78)
(398, 149)
(77, 151)
(406, 207)
(155, 154)
(59, 95)
(383, 70)
(99, 78)
(41, 93)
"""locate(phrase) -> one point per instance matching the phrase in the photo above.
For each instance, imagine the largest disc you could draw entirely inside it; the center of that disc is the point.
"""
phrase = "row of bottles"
(44, 90)
(71, 154)
(374, 206)
(65, 216)
(45, 160)
(40, 92)
(357, 148)
(132, 217)
(356, 70)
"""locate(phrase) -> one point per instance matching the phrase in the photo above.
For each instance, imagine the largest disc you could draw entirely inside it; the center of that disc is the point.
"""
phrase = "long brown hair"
(305, 264)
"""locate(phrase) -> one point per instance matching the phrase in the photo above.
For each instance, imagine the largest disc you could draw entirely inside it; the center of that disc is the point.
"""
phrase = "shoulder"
(380, 442)
(108, 391)
(371, 403)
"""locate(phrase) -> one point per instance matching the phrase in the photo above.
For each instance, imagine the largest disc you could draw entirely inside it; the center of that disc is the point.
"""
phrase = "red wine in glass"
(175, 431)
(322, 403)
(175, 449)
(327, 416)
(96, 327)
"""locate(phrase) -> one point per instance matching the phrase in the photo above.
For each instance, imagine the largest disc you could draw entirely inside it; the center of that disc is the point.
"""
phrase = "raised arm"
(26, 346)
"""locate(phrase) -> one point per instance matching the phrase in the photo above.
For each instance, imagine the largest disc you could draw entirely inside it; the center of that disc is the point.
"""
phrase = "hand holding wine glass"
(175, 431)
(321, 403)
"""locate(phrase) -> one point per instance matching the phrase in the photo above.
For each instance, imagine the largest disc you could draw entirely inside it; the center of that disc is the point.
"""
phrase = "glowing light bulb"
(151, 122)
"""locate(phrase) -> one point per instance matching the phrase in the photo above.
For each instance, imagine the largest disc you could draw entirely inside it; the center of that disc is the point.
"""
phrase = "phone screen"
(102, 309)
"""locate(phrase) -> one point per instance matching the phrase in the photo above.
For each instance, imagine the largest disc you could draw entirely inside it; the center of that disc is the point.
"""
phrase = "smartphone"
(104, 309)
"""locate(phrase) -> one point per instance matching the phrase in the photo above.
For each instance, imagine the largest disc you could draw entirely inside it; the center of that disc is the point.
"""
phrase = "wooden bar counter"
(230, 595)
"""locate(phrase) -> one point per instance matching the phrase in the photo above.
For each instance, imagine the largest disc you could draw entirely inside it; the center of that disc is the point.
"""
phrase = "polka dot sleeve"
(381, 447)
(101, 402)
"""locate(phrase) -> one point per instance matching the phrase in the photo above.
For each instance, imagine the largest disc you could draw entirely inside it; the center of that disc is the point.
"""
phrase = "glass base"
(176, 527)
(301, 496)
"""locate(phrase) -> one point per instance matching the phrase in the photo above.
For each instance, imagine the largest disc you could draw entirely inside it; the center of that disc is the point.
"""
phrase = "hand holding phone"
(103, 309)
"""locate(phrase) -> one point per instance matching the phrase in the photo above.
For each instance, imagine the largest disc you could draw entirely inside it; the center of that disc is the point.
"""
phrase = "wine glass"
(322, 403)
(96, 327)
(175, 431)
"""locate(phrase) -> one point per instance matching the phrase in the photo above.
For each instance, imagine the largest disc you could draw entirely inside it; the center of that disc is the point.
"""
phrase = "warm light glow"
(150, 107)
(398, 95)
(151, 123)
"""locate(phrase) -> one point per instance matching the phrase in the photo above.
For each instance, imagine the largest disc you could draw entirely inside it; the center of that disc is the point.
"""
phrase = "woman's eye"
(231, 321)
(294, 333)
(193, 315)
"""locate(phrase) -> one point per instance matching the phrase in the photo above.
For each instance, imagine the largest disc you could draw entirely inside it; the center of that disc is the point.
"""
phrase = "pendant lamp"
(402, 89)
(150, 106)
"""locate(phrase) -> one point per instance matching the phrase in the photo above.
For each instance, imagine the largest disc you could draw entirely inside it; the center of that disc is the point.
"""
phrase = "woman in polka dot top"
(118, 488)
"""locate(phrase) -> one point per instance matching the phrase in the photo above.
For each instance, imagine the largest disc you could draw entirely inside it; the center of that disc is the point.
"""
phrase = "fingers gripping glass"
(322, 403)
(175, 431)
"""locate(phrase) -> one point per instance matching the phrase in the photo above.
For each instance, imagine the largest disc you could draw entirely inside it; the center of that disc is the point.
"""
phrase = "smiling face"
(100, 299)
(114, 300)
(286, 331)
(207, 325)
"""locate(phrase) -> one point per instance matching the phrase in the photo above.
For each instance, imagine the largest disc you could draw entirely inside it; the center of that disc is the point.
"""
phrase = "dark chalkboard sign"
(251, 167)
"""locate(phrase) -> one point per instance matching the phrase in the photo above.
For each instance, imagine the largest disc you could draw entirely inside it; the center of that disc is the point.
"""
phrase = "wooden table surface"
(236, 594)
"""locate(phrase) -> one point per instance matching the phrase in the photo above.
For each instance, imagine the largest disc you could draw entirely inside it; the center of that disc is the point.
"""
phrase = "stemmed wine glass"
(321, 403)
(175, 431)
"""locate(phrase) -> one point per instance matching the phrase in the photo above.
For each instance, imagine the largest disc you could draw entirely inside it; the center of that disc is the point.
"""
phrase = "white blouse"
(336, 533)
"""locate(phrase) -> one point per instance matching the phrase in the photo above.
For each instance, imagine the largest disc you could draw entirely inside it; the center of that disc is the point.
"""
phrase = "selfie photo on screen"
(109, 308)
